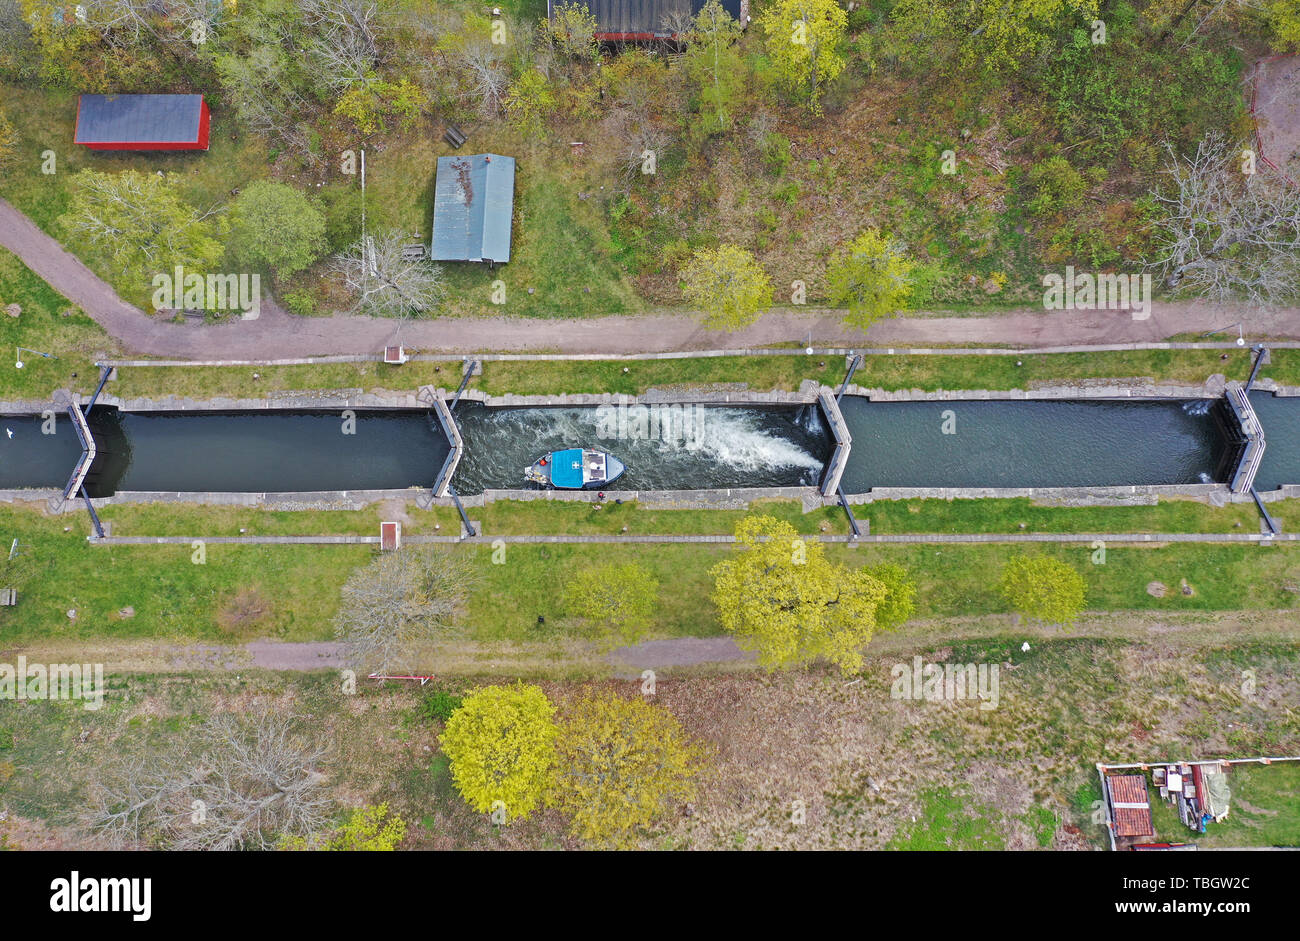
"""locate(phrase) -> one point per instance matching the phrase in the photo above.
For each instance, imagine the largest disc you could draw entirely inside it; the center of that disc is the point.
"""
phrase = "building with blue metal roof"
(474, 200)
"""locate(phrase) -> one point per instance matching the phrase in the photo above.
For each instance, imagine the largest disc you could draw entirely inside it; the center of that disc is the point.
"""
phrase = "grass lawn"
(297, 586)
(950, 822)
(962, 580)
(1264, 810)
(561, 263)
(169, 519)
(509, 517)
(290, 592)
(881, 371)
(757, 373)
(75, 339)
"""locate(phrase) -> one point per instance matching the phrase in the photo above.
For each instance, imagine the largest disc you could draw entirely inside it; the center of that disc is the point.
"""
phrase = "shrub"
(1043, 588)
(439, 704)
(300, 303)
(1056, 187)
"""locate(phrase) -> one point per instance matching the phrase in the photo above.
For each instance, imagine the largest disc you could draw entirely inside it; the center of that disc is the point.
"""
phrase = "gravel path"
(277, 334)
(326, 655)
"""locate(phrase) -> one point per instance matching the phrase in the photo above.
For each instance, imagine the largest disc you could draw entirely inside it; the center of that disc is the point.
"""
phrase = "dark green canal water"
(1031, 444)
(895, 444)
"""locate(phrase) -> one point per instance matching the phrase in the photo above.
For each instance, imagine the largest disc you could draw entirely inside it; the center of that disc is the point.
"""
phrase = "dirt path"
(277, 334)
(468, 658)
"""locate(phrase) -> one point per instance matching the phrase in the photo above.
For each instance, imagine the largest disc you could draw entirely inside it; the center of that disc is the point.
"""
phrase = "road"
(276, 334)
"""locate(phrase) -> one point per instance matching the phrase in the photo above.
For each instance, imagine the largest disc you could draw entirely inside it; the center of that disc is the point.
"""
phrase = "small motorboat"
(575, 469)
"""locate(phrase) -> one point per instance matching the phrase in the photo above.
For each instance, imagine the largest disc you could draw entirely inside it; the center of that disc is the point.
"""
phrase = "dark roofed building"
(649, 20)
(473, 203)
(142, 122)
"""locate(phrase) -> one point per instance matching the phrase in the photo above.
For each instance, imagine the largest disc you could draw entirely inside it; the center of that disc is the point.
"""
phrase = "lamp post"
(1241, 339)
(18, 356)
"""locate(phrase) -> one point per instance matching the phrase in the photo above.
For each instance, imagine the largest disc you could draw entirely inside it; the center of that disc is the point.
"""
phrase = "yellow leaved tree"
(501, 745)
(999, 34)
(803, 39)
(781, 597)
(622, 763)
(728, 285)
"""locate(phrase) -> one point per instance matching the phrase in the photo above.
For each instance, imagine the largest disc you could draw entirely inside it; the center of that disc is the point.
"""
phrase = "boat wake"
(663, 447)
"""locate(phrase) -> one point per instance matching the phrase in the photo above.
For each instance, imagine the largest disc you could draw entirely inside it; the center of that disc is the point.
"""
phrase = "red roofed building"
(142, 122)
(1130, 808)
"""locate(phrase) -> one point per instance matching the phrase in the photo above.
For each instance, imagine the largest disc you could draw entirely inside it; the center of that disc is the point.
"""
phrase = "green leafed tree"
(998, 34)
(780, 596)
(135, 225)
(616, 601)
(1043, 588)
(501, 745)
(899, 603)
(276, 227)
(529, 101)
(871, 277)
(715, 69)
(370, 829)
(8, 142)
(728, 285)
(367, 829)
(372, 103)
(571, 31)
(804, 40)
(622, 763)
(1284, 17)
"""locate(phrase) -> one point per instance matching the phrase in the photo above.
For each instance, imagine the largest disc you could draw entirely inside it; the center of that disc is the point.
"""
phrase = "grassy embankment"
(291, 591)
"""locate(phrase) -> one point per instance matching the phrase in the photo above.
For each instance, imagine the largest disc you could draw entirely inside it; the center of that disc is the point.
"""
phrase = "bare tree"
(484, 68)
(241, 783)
(266, 96)
(15, 31)
(644, 148)
(1228, 233)
(186, 15)
(346, 49)
(388, 281)
(400, 599)
(119, 23)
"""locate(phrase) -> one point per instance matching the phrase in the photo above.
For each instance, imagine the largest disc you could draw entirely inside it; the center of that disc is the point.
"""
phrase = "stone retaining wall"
(319, 399)
(806, 395)
(1106, 389)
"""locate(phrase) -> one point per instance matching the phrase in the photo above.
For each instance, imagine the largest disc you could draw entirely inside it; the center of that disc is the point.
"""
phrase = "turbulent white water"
(677, 447)
(734, 439)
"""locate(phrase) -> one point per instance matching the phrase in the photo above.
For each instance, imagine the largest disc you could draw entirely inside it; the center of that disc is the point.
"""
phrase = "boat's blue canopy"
(566, 468)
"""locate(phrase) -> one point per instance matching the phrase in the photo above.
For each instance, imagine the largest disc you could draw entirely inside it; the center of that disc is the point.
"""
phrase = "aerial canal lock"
(819, 445)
